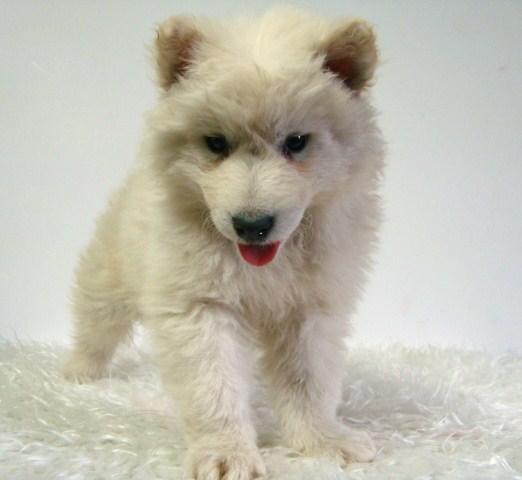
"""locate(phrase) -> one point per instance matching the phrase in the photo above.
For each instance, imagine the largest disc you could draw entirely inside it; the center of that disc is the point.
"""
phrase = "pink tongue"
(258, 255)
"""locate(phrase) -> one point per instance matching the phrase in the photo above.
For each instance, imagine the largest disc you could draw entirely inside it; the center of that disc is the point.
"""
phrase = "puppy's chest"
(273, 293)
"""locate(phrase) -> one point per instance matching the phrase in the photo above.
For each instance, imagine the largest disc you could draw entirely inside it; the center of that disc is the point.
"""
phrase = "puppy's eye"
(295, 143)
(217, 144)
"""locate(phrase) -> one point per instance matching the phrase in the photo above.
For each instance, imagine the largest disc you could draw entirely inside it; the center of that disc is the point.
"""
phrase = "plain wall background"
(75, 81)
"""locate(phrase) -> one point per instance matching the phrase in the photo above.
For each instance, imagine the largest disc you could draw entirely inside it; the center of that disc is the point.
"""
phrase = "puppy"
(246, 226)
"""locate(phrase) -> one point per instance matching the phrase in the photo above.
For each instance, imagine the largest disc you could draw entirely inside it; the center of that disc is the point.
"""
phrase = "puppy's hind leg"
(103, 315)
(100, 326)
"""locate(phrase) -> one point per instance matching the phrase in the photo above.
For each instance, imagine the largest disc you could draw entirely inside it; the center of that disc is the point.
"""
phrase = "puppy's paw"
(343, 447)
(81, 369)
(225, 464)
(355, 446)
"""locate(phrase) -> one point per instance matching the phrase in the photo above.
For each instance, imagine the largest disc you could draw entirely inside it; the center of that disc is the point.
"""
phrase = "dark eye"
(217, 144)
(295, 143)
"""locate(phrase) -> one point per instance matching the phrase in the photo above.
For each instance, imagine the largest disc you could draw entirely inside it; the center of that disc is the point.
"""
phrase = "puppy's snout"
(253, 228)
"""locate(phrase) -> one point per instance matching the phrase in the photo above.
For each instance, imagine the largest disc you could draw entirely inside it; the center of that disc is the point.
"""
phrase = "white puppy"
(246, 226)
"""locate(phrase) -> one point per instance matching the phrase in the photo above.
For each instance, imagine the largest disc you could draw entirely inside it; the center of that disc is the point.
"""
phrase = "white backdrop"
(75, 81)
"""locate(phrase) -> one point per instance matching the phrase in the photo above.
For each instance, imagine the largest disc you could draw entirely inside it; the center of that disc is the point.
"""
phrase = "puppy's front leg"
(203, 366)
(304, 362)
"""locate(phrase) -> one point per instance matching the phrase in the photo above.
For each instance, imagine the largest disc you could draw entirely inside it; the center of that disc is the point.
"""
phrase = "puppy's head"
(259, 121)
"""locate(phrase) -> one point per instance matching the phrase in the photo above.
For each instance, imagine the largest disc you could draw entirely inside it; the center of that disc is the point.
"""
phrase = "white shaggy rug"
(434, 414)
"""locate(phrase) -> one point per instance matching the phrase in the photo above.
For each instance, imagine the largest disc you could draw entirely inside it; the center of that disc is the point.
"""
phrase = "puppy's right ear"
(176, 39)
(351, 53)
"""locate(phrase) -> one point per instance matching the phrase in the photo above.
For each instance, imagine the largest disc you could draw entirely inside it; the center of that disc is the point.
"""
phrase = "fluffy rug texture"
(434, 414)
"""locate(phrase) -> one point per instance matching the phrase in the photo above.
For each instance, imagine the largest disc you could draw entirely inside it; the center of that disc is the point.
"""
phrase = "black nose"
(253, 228)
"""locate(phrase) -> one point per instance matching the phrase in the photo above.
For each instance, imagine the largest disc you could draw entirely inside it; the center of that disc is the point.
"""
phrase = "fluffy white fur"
(165, 251)
(433, 413)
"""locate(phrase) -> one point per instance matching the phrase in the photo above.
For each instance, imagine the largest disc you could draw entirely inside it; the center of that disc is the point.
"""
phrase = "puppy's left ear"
(351, 53)
(176, 39)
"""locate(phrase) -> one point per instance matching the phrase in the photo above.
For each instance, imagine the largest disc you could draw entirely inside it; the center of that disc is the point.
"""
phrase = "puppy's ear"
(351, 53)
(176, 39)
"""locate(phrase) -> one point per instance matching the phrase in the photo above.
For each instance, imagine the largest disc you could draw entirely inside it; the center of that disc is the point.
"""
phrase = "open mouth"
(258, 255)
